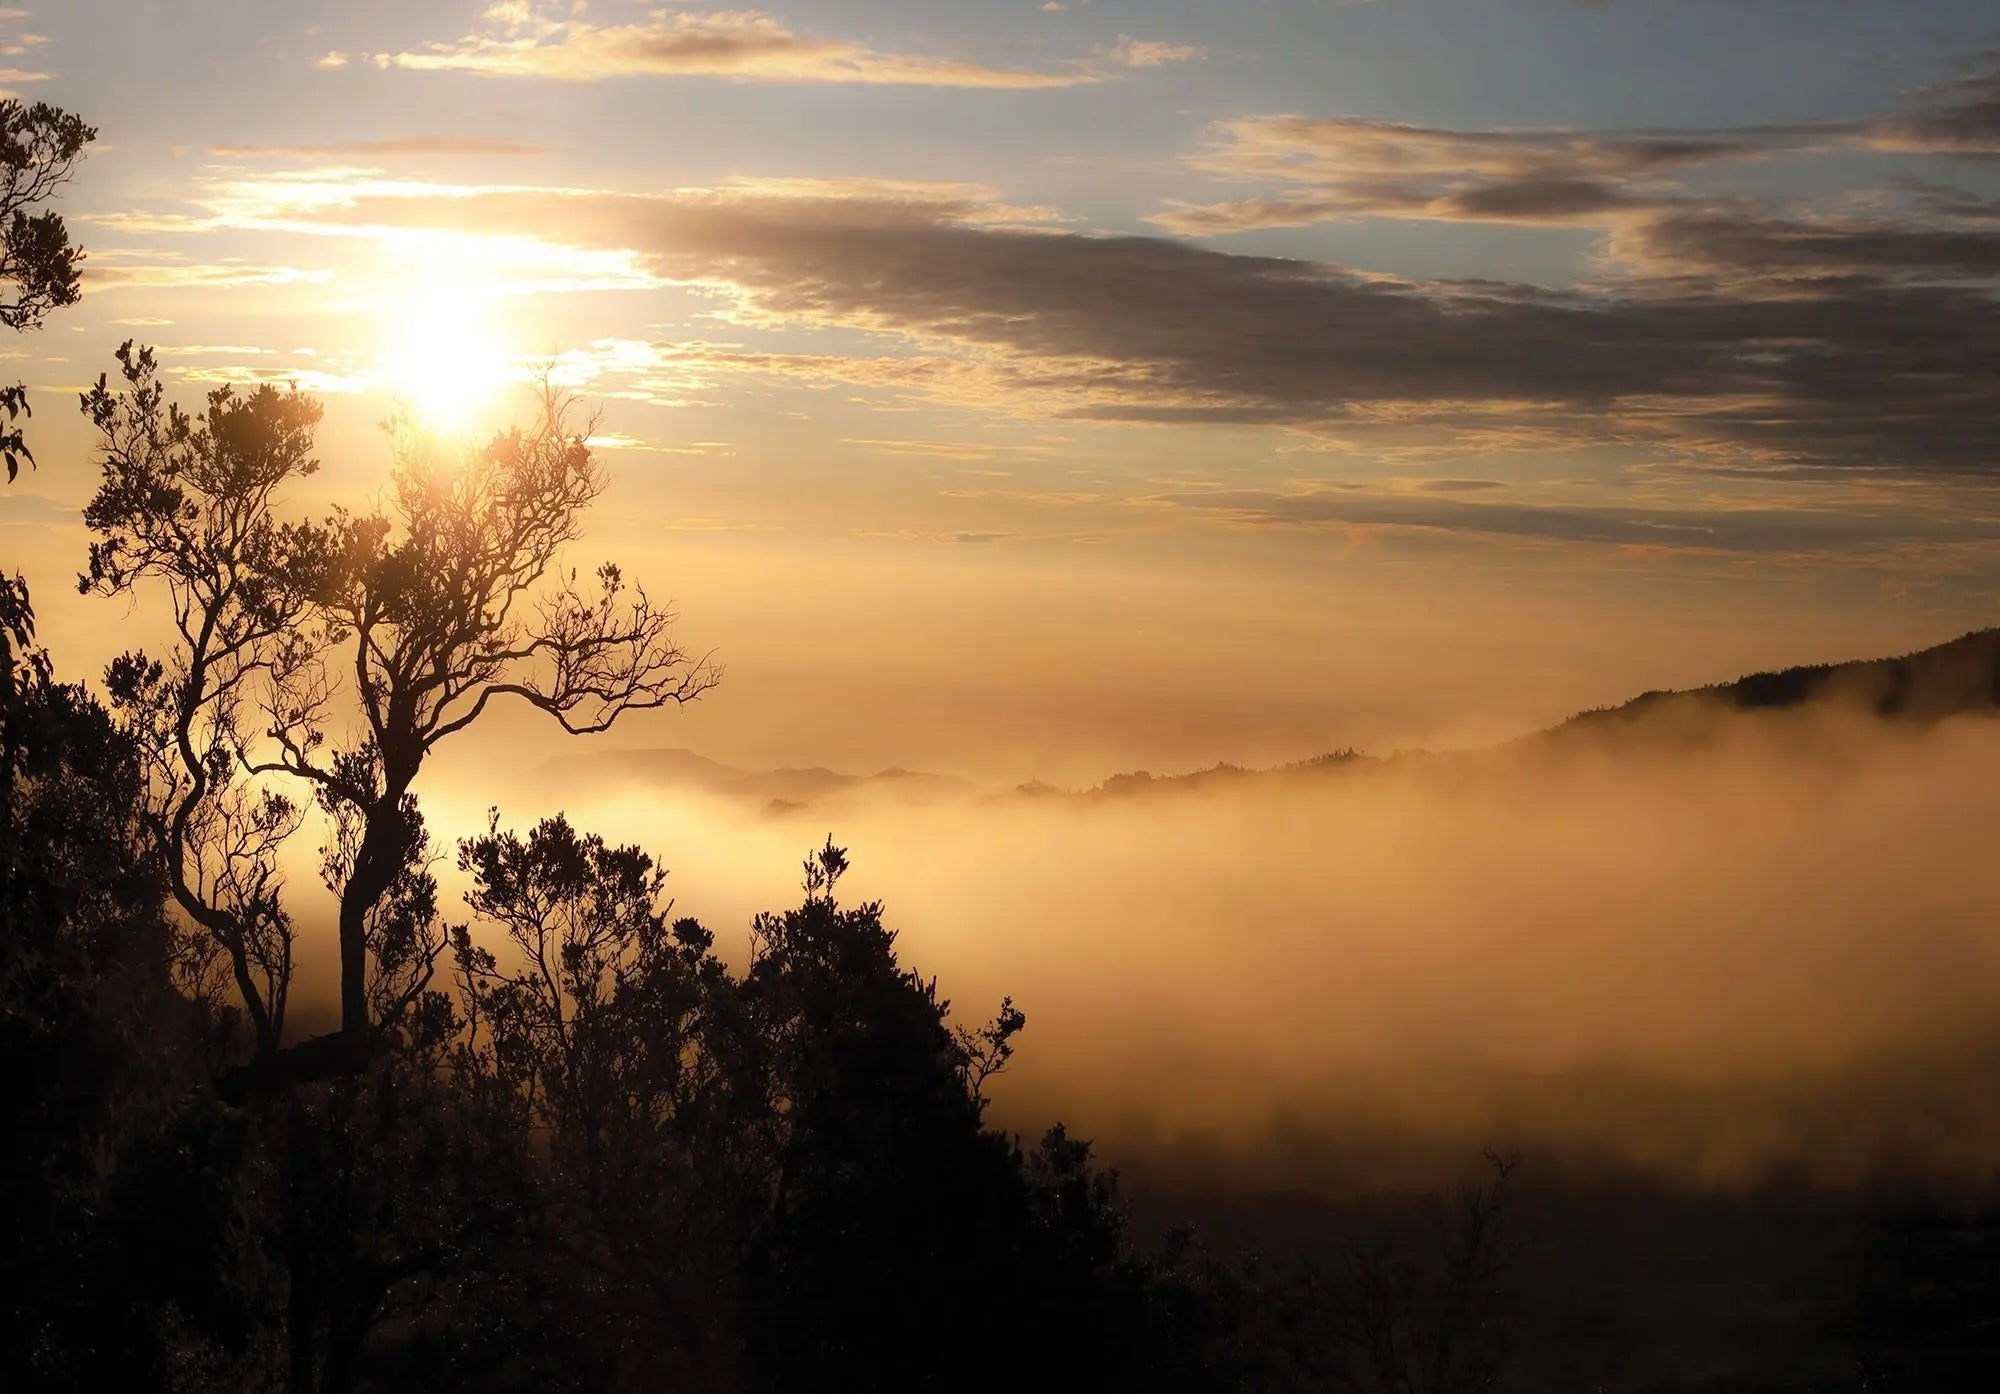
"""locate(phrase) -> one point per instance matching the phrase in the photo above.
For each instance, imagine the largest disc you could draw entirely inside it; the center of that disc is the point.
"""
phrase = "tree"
(893, 1209)
(411, 622)
(96, 1042)
(781, 1176)
(623, 1040)
(84, 980)
(39, 148)
(187, 502)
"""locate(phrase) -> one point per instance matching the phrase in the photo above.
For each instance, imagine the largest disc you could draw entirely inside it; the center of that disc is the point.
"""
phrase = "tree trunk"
(376, 863)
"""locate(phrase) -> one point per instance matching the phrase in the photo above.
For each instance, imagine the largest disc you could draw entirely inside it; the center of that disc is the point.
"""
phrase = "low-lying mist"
(1773, 950)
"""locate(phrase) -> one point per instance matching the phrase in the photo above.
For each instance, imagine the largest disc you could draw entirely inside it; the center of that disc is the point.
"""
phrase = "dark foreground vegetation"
(555, 1141)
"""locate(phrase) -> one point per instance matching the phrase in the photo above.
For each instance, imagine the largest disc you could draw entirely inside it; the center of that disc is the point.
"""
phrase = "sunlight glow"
(446, 360)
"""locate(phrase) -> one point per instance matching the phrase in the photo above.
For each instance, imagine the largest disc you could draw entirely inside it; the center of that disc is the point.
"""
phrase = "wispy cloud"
(1710, 529)
(519, 40)
(403, 147)
(1129, 52)
(1961, 118)
(1337, 168)
(115, 269)
(1351, 168)
(1729, 242)
(10, 78)
(958, 450)
(315, 380)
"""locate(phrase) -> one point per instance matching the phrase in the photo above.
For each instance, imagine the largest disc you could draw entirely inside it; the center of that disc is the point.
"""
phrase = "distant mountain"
(778, 790)
(1142, 782)
(1955, 679)
(1958, 678)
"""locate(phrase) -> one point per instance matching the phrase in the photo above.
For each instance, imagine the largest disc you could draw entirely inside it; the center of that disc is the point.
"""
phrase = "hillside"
(1952, 679)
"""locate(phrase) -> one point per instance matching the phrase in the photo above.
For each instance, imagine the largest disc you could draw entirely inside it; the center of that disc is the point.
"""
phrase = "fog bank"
(1774, 947)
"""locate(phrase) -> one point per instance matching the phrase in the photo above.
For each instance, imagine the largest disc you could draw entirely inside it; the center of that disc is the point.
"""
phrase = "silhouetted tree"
(621, 1038)
(783, 1177)
(39, 148)
(186, 502)
(414, 620)
(121, 1180)
(891, 1205)
(87, 1015)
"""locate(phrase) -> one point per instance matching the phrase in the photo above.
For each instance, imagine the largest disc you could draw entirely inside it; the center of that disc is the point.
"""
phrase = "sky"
(1043, 390)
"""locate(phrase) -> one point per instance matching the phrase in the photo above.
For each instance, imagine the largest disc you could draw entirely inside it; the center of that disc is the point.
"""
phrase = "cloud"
(1456, 486)
(1779, 330)
(960, 201)
(399, 148)
(956, 450)
(1721, 241)
(212, 350)
(1749, 529)
(1355, 168)
(9, 77)
(112, 269)
(933, 536)
(1129, 52)
(618, 440)
(314, 380)
(1336, 168)
(743, 45)
(1962, 119)
(1304, 148)
(1853, 373)
(20, 508)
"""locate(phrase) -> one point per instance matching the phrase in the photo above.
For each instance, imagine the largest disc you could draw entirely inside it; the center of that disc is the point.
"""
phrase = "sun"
(446, 360)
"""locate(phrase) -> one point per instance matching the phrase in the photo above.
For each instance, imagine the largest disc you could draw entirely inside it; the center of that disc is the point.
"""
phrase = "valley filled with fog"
(1767, 946)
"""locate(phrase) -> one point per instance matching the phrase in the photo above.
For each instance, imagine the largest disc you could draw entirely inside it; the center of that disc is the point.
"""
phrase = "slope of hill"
(1958, 678)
